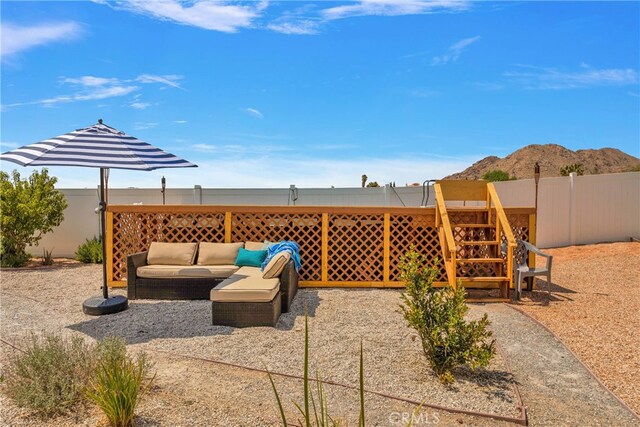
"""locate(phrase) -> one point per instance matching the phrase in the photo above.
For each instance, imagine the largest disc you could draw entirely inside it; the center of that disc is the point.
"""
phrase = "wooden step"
(483, 279)
(473, 225)
(466, 209)
(477, 242)
(478, 260)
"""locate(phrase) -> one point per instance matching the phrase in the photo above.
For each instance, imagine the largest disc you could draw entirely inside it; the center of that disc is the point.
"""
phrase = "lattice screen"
(355, 247)
(304, 229)
(418, 231)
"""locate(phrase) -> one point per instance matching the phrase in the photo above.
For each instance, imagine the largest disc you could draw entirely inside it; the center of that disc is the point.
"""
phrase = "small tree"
(568, 169)
(373, 184)
(364, 180)
(437, 315)
(29, 209)
(496, 175)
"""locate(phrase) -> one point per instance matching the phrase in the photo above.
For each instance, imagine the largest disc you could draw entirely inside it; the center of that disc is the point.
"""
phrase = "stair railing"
(503, 228)
(445, 232)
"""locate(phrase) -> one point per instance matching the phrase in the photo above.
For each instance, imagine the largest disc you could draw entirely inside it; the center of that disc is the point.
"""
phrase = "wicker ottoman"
(246, 299)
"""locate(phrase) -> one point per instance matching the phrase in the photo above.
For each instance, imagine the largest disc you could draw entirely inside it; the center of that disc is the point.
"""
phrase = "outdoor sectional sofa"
(240, 295)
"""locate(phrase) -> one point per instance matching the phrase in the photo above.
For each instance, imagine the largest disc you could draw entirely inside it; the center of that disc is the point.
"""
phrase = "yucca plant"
(47, 257)
(315, 411)
(119, 382)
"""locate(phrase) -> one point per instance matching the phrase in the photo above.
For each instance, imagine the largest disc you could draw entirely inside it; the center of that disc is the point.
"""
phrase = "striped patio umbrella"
(98, 146)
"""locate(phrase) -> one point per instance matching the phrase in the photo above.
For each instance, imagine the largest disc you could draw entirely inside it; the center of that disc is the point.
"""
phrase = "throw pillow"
(247, 258)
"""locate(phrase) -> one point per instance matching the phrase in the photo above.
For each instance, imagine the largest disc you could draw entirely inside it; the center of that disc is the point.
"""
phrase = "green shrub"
(51, 375)
(578, 168)
(497, 175)
(29, 208)
(90, 251)
(10, 260)
(448, 341)
(119, 382)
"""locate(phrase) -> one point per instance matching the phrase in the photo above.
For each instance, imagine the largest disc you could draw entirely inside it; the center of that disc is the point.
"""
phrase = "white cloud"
(454, 51)
(90, 81)
(551, 78)
(90, 88)
(301, 27)
(144, 125)
(17, 38)
(392, 8)
(206, 14)
(253, 112)
(140, 105)
(204, 147)
(180, 122)
(169, 80)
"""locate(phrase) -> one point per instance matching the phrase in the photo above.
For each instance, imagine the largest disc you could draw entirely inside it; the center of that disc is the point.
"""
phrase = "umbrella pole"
(103, 233)
(104, 304)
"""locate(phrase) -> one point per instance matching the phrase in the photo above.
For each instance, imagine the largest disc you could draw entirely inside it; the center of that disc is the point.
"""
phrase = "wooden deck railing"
(339, 246)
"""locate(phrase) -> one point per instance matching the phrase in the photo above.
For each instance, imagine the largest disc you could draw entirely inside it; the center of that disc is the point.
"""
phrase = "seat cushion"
(177, 271)
(246, 285)
(172, 253)
(218, 253)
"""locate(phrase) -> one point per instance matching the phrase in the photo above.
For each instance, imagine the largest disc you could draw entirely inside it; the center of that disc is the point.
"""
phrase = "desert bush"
(119, 382)
(90, 251)
(29, 209)
(497, 175)
(578, 168)
(50, 376)
(437, 315)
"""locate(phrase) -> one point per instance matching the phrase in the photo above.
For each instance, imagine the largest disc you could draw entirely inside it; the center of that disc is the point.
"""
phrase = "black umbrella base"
(97, 306)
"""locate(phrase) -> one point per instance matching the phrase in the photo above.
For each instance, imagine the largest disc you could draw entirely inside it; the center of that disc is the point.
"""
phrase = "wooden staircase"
(473, 230)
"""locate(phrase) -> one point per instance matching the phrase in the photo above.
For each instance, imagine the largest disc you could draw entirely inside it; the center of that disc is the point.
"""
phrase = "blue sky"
(268, 94)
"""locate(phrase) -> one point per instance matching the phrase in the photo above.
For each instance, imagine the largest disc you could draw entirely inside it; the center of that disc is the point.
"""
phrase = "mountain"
(551, 158)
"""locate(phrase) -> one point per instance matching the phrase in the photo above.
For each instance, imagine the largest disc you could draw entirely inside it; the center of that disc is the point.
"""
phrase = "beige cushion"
(218, 253)
(171, 253)
(276, 265)
(246, 285)
(177, 271)
(254, 246)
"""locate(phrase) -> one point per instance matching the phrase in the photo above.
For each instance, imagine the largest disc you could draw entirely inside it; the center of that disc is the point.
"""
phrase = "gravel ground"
(595, 310)
(193, 392)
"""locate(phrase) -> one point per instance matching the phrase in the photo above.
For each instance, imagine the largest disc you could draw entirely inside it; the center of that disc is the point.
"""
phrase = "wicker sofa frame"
(200, 288)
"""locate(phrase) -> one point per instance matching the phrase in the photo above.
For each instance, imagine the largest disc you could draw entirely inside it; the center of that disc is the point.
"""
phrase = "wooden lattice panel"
(355, 249)
(134, 232)
(304, 229)
(418, 231)
(462, 217)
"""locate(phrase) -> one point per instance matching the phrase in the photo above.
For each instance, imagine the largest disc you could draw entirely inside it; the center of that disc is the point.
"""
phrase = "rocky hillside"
(551, 158)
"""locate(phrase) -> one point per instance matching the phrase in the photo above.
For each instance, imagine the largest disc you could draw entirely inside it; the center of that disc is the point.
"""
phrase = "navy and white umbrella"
(98, 146)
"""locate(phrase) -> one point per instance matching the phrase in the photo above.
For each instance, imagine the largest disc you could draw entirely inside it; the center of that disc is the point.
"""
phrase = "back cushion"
(276, 265)
(254, 246)
(171, 253)
(218, 253)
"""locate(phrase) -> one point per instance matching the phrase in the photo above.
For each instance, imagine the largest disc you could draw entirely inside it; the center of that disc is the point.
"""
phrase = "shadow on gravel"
(147, 320)
(495, 384)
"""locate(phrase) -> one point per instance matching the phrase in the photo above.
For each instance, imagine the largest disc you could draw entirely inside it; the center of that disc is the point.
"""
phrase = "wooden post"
(325, 248)
(108, 238)
(227, 227)
(386, 248)
(532, 238)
